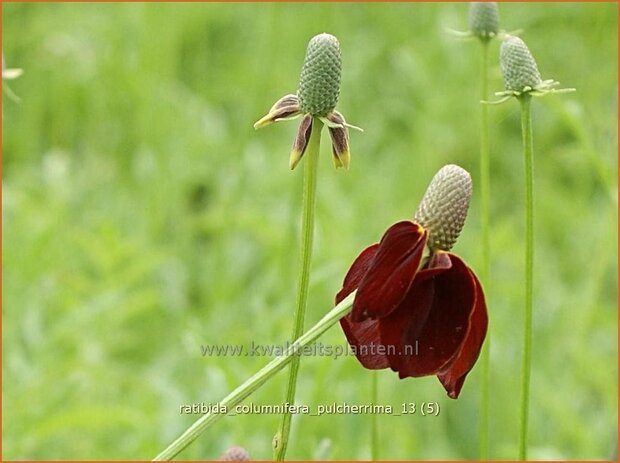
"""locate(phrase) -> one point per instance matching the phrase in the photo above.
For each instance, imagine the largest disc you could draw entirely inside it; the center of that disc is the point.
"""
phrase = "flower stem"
(485, 188)
(528, 150)
(374, 438)
(258, 379)
(280, 441)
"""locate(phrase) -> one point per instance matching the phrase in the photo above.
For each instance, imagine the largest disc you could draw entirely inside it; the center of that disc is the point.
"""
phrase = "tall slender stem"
(485, 187)
(280, 442)
(528, 150)
(258, 379)
(374, 438)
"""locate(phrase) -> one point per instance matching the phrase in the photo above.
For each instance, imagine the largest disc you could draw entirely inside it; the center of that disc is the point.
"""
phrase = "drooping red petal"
(391, 272)
(365, 341)
(409, 317)
(356, 272)
(454, 377)
(448, 321)
(439, 263)
(401, 329)
(361, 336)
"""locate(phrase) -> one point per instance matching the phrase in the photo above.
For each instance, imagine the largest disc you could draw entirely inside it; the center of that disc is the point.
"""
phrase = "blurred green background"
(144, 217)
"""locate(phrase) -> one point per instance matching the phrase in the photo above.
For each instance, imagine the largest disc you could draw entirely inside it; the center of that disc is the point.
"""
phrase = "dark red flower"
(418, 312)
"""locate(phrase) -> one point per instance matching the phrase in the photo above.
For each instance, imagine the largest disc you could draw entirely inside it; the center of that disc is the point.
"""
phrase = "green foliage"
(144, 217)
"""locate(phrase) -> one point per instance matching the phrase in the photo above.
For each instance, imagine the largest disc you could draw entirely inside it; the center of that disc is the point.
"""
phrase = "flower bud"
(319, 84)
(518, 65)
(443, 209)
(483, 19)
(235, 454)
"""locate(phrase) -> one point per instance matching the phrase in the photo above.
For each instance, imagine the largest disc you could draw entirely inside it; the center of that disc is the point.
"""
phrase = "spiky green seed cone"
(518, 65)
(444, 206)
(319, 84)
(484, 19)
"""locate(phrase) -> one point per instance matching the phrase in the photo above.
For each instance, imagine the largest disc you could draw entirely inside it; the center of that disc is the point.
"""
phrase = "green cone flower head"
(319, 84)
(518, 65)
(483, 23)
(484, 19)
(521, 75)
(316, 99)
(444, 206)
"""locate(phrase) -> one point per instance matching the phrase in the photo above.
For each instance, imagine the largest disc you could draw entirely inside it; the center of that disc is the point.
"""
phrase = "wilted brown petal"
(284, 102)
(287, 106)
(301, 140)
(340, 140)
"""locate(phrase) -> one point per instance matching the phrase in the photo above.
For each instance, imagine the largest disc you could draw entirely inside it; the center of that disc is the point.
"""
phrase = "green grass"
(143, 217)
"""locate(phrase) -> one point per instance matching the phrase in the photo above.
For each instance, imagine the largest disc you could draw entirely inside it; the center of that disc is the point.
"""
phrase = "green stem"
(258, 379)
(528, 151)
(374, 438)
(280, 441)
(485, 187)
